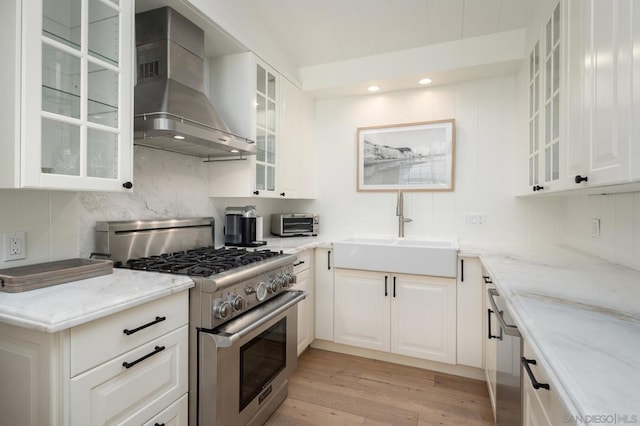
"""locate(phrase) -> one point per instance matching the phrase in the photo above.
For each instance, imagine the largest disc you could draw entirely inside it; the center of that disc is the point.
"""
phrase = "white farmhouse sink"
(407, 255)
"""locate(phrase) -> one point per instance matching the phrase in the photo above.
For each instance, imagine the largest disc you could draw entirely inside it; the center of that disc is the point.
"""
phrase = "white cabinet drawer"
(101, 340)
(304, 261)
(174, 415)
(115, 395)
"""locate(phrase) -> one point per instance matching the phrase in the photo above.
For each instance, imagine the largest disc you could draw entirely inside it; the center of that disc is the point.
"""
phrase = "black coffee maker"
(240, 227)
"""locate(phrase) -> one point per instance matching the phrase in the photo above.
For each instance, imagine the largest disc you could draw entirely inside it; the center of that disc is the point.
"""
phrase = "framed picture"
(408, 157)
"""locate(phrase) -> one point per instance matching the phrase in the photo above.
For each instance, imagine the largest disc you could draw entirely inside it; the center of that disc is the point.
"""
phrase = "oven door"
(244, 364)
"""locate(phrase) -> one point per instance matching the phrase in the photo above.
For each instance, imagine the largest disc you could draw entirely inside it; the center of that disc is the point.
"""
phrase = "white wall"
(485, 114)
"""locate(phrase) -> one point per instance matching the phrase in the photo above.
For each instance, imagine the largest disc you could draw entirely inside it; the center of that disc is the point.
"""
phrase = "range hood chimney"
(171, 111)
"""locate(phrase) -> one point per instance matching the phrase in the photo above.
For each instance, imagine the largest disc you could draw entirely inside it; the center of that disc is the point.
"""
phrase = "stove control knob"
(291, 279)
(237, 302)
(273, 285)
(222, 310)
(260, 290)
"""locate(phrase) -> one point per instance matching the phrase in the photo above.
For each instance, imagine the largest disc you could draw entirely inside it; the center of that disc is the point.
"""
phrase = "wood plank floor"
(336, 389)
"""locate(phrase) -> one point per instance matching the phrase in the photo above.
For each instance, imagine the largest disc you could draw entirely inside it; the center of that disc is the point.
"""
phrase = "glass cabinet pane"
(61, 21)
(104, 27)
(556, 69)
(271, 86)
(60, 148)
(261, 80)
(271, 149)
(102, 154)
(556, 24)
(536, 132)
(531, 86)
(530, 170)
(548, 37)
(531, 137)
(60, 82)
(548, 75)
(260, 142)
(261, 111)
(547, 124)
(271, 178)
(103, 95)
(260, 177)
(556, 161)
(547, 164)
(556, 117)
(271, 116)
(536, 93)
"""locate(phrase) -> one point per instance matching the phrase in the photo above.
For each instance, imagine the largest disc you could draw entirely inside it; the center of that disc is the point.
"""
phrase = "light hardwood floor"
(335, 389)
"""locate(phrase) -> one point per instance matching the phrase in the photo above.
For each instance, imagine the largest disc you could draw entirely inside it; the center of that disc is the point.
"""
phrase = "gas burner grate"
(203, 261)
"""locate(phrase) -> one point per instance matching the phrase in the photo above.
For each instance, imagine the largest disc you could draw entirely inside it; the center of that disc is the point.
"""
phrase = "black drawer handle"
(534, 382)
(487, 279)
(299, 263)
(157, 349)
(386, 288)
(159, 424)
(142, 327)
(489, 335)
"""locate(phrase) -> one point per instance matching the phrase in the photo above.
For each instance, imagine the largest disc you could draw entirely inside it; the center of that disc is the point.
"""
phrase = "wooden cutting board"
(31, 277)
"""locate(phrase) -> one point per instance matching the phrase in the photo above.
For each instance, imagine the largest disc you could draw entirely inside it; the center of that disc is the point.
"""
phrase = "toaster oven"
(294, 224)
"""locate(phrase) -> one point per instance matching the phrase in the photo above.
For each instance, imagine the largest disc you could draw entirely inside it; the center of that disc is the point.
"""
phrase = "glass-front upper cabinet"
(545, 106)
(266, 129)
(77, 94)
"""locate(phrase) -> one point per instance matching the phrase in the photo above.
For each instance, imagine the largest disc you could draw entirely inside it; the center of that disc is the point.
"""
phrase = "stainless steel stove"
(243, 314)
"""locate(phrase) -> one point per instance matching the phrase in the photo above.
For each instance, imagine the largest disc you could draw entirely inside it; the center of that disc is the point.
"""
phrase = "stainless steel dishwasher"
(508, 391)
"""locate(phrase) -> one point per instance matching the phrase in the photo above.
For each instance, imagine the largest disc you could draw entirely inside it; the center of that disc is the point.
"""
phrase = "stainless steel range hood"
(171, 111)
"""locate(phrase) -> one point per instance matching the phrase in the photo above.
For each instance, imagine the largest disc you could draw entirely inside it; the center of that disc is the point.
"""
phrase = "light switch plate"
(595, 228)
(476, 219)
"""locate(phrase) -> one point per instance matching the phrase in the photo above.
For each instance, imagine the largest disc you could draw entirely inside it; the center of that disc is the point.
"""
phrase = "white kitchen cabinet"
(601, 60)
(257, 101)
(324, 293)
(546, 103)
(303, 269)
(72, 377)
(177, 414)
(541, 406)
(469, 301)
(399, 313)
(67, 98)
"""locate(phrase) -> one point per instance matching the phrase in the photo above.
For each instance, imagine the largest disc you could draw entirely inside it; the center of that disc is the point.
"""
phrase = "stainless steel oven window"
(261, 360)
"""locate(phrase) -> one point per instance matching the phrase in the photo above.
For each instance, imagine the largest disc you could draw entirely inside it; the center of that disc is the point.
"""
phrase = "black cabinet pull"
(525, 363)
(461, 270)
(299, 263)
(538, 188)
(386, 291)
(127, 185)
(329, 260)
(142, 327)
(159, 424)
(579, 178)
(282, 194)
(487, 279)
(489, 335)
(256, 192)
(156, 350)
(394, 286)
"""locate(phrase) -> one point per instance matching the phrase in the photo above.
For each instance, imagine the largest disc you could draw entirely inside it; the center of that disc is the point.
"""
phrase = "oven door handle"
(227, 334)
(511, 330)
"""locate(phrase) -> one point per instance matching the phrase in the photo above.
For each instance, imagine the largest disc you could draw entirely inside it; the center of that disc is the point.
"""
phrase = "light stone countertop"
(581, 316)
(56, 308)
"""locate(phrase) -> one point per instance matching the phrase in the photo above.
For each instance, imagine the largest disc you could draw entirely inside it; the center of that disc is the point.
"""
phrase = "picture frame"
(407, 157)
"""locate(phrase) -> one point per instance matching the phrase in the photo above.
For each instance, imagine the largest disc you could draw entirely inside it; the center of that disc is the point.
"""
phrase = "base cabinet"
(324, 294)
(542, 406)
(469, 312)
(43, 383)
(490, 331)
(303, 269)
(399, 313)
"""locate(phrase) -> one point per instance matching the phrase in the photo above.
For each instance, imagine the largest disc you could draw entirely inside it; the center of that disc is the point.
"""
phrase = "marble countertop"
(581, 316)
(62, 306)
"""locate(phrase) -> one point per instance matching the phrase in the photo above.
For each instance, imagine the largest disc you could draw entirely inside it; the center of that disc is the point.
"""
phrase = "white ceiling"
(314, 32)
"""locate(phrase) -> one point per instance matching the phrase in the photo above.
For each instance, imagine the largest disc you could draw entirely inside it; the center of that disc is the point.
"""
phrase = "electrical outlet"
(595, 228)
(15, 246)
(474, 218)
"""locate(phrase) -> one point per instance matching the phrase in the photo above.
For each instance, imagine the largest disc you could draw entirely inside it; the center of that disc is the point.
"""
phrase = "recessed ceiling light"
(178, 137)
(234, 151)
(373, 88)
(425, 81)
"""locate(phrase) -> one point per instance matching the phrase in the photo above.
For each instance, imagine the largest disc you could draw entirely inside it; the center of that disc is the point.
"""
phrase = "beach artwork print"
(416, 156)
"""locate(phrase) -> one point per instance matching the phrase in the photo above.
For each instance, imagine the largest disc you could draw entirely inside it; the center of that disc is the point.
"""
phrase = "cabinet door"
(77, 103)
(119, 395)
(608, 90)
(174, 415)
(469, 312)
(306, 314)
(267, 97)
(288, 161)
(324, 291)
(362, 316)
(423, 317)
(533, 412)
(306, 140)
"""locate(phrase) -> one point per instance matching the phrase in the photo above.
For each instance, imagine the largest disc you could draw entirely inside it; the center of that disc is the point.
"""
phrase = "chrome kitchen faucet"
(400, 213)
